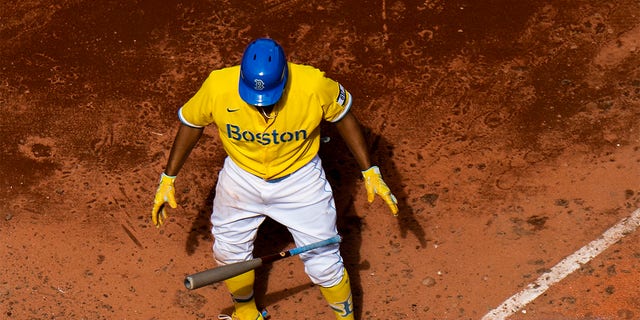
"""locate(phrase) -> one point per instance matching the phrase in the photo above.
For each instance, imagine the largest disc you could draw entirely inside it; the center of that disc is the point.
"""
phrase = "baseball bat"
(210, 276)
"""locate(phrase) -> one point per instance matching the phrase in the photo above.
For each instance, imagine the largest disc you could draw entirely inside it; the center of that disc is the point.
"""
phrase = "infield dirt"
(508, 130)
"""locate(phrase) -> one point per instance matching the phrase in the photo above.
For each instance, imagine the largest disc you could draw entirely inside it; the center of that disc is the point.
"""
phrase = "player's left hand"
(375, 185)
(164, 194)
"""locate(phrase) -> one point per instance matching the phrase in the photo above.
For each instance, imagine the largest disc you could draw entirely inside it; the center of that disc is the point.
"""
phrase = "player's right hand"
(164, 194)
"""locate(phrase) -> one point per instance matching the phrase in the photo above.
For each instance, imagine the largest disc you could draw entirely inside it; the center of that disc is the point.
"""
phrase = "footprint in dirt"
(38, 148)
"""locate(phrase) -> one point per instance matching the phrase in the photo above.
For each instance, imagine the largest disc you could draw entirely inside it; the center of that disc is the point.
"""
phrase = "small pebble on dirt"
(429, 281)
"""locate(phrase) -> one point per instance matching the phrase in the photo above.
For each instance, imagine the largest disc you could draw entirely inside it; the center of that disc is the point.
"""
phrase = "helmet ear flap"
(263, 73)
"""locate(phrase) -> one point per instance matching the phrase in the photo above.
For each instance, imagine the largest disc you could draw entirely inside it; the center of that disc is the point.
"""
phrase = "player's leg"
(339, 297)
(313, 219)
(234, 227)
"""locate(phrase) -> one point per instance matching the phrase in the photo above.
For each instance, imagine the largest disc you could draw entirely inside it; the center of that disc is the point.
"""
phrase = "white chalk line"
(565, 268)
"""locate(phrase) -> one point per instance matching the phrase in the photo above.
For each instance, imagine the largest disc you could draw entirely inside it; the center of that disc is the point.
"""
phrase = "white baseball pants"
(302, 202)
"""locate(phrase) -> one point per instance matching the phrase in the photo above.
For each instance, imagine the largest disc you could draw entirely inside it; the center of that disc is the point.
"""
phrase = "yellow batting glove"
(375, 185)
(164, 194)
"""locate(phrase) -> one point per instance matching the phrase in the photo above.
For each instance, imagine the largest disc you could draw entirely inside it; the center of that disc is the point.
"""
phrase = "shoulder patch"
(342, 95)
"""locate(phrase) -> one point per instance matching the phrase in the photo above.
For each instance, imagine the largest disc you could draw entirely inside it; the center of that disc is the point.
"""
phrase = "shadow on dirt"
(344, 175)
(345, 178)
(200, 230)
(382, 154)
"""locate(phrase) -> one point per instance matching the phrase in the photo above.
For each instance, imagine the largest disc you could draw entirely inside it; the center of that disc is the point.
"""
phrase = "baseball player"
(267, 112)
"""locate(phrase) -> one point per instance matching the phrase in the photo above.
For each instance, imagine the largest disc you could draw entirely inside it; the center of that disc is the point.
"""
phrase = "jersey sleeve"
(334, 98)
(198, 111)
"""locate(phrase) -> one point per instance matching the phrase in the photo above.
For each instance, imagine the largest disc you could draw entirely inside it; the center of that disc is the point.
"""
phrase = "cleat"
(262, 316)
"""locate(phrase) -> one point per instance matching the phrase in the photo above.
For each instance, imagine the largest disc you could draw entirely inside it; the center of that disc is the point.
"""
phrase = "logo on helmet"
(258, 84)
(263, 73)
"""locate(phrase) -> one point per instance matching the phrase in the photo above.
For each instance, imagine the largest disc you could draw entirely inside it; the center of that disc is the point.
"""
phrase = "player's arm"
(351, 132)
(185, 140)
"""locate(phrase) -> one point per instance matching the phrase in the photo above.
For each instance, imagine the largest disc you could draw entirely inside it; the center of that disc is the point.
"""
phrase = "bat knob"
(188, 282)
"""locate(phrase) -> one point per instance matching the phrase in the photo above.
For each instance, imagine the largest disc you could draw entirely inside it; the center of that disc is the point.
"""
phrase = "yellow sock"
(339, 298)
(241, 288)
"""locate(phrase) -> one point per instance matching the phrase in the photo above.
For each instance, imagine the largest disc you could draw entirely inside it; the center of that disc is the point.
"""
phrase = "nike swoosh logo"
(232, 110)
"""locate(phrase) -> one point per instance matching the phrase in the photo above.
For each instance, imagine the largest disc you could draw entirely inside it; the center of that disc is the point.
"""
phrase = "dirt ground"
(508, 130)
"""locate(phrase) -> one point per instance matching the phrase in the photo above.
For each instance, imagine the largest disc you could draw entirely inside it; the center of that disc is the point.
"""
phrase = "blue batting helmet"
(263, 73)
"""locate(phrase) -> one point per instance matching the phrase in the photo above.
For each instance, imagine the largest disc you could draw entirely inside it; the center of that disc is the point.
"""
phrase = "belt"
(276, 180)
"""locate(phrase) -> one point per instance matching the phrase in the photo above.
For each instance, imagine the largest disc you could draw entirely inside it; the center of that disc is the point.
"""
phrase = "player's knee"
(327, 277)
(324, 272)
(225, 253)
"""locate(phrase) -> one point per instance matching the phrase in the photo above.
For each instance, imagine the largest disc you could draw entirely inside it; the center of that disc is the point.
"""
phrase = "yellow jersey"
(277, 146)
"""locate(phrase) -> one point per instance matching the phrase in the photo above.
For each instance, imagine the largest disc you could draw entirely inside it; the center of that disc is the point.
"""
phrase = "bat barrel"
(207, 277)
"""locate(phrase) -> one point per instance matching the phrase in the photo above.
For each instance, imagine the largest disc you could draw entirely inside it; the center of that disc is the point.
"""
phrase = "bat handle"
(332, 240)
